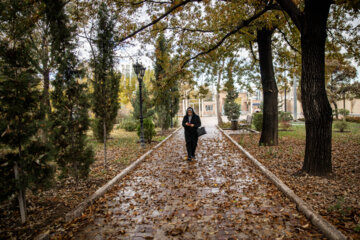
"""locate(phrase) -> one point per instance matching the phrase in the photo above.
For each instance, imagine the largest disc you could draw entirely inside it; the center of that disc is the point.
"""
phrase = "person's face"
(189, 112)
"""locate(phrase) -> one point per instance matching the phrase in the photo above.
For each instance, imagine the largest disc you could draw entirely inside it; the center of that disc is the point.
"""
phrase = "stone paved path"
(219, 196)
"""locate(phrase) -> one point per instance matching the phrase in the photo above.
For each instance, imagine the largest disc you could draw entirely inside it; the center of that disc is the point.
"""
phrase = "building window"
(209, 108)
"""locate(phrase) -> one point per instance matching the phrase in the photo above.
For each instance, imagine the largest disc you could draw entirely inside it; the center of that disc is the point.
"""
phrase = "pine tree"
(231, 108)
(106, 83)
(174, 103)
(165, 87)
(147, 107)
(70, 101)
(26, 163)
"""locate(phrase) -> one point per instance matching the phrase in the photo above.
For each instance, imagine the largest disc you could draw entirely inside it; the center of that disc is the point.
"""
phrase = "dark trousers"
(191, 144)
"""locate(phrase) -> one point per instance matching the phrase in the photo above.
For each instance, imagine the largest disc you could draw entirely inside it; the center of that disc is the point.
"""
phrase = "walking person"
(191, 123)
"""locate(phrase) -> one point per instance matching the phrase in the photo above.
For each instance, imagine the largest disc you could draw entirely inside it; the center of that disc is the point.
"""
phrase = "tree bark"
(105, 160)
(336, 110)
(269, 133)
(45, 107)
(317, 109)
(21, 194)
(45, 97)
(311, 23)
(285, 110)
(218, 85)
(344, 112)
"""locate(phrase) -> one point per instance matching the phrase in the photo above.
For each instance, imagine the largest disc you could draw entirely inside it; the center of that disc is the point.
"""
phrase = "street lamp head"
(137, 67)
(142, 72)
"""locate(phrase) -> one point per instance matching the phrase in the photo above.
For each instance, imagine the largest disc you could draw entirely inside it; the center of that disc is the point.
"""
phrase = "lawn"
(351, 134)
(337, 196)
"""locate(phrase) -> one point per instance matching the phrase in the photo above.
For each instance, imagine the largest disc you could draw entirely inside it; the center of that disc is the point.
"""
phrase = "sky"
(130, 54)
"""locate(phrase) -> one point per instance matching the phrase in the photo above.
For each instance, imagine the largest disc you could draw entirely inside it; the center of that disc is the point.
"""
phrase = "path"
(219, 196)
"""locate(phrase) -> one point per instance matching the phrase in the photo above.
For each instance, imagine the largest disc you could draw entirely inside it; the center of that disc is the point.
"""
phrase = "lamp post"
(140, 72)
(171, 113)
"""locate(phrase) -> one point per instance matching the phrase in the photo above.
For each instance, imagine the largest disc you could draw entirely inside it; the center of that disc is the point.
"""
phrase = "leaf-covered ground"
(336, 197)
(221, 195)
(46, 209)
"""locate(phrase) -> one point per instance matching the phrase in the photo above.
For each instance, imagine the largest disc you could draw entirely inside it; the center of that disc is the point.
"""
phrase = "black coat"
(191, 131)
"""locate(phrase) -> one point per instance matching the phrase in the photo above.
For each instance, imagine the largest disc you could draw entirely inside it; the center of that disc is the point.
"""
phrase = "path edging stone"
(252, 130)
(325, 227)
(80, 208)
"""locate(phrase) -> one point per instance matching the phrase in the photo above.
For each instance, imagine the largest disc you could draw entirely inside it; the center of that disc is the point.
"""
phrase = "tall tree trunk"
(21, 194)
(105, 160)
(336, 110)
(344, 112)
(317, 109)
(218, 85)
(45, 103)
(285, 110)
(269, 133)
(45, 97)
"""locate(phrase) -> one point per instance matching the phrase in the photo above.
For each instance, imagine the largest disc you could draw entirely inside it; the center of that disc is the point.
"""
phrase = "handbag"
(201, 131)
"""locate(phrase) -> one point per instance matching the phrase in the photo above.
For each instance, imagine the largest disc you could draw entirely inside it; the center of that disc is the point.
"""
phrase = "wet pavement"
(221, 195)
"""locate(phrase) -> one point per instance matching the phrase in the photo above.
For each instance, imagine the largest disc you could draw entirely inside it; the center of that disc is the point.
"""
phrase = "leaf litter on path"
(335, 197)
(221, 195)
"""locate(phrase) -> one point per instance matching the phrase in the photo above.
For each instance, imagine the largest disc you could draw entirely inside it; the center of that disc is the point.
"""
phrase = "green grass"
(124, 160)
(119, 137)
(298, 132)
(159, 138)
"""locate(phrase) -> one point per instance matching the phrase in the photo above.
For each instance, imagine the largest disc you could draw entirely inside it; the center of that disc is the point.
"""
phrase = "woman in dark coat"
(191, 123)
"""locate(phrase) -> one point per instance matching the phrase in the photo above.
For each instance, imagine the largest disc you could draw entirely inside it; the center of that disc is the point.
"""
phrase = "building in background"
(207, 107)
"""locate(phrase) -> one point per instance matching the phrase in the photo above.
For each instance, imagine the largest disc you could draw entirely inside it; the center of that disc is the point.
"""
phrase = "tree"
(174, 103)
(149, 130)
(339, 87)
(70, 101)
(106, 83)
(162, 82)
(269, 133)
(26, 164)
(355, 89)
(147, 107)
(214, 66)
(43, 60)
(174, 99)
(127, 88)
(220, 24)
(311, 21)
(231, 108)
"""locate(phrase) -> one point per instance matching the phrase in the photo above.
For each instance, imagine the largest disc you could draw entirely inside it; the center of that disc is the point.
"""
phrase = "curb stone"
(80, 208)
(252, 130)
(325, 227)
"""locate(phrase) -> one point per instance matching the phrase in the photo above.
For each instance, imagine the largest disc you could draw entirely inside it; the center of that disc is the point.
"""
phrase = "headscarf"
(190, 108)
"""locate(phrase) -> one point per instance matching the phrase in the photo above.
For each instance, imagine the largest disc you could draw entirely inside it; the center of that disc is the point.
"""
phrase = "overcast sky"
(131, 54)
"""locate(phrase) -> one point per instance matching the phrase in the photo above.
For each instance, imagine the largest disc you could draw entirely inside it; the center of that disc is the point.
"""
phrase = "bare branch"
(294, 12)
(287, 41)
(144, 1)
(185, 29)
(89, 39)
(252, 52)
(182, 3)
(241, 25)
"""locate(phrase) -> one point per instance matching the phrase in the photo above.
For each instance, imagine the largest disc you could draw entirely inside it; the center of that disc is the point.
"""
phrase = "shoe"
(193, 157)
(189, 159)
